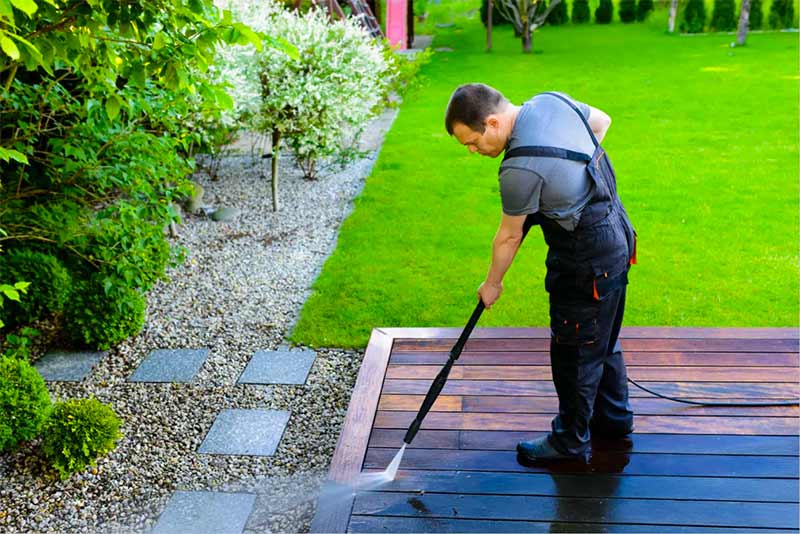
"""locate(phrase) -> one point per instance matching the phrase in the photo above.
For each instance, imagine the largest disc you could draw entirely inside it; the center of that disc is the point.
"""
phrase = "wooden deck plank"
(415, 525)
(693, 390)
(568, 509)
(687, 465)
(686, 359)
(640, 345)
(608, 485)
(729, 444)
(650, 424)
(549, 405)
(630, 332)
(542, 372)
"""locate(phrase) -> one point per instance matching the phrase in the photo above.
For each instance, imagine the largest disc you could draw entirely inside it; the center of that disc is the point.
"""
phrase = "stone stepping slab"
(170, 365)
(205, 512)
(67, 366)
(278, 367)
(245, 432)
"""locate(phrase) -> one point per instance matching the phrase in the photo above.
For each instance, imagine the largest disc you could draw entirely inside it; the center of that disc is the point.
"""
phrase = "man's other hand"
(489, 293)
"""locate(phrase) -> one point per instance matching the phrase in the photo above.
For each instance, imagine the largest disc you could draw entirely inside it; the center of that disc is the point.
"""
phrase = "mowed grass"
(705, 144)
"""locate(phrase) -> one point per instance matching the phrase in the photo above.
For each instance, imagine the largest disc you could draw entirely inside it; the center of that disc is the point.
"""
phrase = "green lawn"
(705, 143)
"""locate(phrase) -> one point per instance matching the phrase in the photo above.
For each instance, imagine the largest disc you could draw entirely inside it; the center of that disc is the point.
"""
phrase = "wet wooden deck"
(690, 469)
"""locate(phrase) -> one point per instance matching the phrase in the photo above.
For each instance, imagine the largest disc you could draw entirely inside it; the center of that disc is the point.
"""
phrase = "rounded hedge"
(723, 18)
(756, 19)
(694, 17)
(24, 402)
(604, 12)
(580, 11)
(49, 290)
(627, 10)
(77, 432)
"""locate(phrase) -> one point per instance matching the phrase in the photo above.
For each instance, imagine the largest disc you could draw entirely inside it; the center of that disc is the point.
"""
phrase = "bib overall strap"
(585, 122)
(547, 151)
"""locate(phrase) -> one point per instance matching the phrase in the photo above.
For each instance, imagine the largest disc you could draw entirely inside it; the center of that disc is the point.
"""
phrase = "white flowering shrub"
(320, 102)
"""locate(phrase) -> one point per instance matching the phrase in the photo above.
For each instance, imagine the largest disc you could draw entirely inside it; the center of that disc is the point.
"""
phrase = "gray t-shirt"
(558, 188)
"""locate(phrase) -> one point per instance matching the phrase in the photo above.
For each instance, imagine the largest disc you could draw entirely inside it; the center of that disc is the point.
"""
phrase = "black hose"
(696, 403)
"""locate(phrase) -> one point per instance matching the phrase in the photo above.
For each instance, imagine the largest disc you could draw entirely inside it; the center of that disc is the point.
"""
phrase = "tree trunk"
(673, 12)
(744, 23)
(489, 25)
(276, 141)
(526, 36)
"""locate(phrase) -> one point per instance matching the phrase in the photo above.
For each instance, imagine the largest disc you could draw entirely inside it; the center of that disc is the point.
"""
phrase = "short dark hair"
(470, 104)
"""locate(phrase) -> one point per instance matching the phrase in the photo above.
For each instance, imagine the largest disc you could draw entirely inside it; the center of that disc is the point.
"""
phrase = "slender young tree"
(744, 21)
(673, 12)
(526, 18)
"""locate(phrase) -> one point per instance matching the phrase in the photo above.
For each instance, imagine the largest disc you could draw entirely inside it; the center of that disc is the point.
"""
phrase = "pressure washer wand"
(441, 378)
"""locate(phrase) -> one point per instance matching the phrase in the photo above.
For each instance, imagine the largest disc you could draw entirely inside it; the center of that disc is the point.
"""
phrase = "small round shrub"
(627, 10)
(604, 12)
(49, 289)
(24, 402)
(77, 432)
(756, 19)
(101, 320)
(723, 18)
(580, 11)
(559, 14)
(643, 9)
(694, 17)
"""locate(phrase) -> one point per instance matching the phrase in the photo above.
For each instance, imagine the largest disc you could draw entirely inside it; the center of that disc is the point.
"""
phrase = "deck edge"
(629, 332)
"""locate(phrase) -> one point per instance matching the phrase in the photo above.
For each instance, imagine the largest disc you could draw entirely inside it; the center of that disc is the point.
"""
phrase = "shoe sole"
(529, 461)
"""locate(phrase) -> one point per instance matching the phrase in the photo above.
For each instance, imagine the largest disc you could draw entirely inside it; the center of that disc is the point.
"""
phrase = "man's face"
(489, 143)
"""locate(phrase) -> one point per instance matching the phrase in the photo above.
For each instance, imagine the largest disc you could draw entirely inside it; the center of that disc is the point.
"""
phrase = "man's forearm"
(503, 251)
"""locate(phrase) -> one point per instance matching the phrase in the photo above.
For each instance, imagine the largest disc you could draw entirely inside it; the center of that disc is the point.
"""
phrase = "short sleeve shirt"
(558, 188)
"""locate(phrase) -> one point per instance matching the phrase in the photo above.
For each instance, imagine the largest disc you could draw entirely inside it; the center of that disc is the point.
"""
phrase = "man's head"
(481, 118)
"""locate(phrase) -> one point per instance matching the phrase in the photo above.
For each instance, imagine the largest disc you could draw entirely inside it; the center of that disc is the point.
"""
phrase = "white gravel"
(241, 289)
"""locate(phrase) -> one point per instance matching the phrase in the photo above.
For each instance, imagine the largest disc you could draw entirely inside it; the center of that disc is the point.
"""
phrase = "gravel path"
(241, 289)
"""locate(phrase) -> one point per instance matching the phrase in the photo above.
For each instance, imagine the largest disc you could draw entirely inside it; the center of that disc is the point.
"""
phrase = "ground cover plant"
(704, 141)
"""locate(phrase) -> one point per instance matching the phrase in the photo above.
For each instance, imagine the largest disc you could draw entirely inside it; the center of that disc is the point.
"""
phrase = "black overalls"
(587, 275)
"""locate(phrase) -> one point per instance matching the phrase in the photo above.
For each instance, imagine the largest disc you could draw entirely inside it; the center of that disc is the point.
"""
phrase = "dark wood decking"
(691, 469)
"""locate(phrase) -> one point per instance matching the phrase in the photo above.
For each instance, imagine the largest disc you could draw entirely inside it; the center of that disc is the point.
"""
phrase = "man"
(555, 174)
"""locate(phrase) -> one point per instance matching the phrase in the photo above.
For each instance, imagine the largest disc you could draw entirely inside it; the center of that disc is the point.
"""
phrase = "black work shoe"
(541, 450)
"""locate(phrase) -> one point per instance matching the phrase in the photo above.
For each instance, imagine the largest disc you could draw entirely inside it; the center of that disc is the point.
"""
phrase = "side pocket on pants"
(573, 324)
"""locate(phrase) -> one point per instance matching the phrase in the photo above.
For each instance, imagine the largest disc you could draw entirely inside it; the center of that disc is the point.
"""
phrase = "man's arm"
(504, 248)
(599, 122)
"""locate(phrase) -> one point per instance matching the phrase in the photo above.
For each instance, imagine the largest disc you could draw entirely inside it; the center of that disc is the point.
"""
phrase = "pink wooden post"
(396, 22)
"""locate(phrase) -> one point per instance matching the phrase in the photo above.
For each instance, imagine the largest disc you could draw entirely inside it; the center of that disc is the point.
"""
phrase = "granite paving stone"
(245, 432)
(170, 365)
(278, 367)
(67, 366)
(205, 512)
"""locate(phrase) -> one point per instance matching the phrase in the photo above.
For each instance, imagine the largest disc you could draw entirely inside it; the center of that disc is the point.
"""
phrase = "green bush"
(17, 345)
(24, 402)
(643, 8)
(604, 12)
(627, 10)
(77, 432)
(49, 290)
(693, 19)
(580, 11)
(102, 319)
(497, 18)
(781, 14)
(723, 18)
(559, 14)
(756, 21)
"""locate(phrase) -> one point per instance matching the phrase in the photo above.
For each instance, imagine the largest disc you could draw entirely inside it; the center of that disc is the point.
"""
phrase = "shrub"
(24, 402)
(49, 290)
(559, 14)
(627, 10)
(77, 432)
(781, 14)
(643, 8)
(756, 20)
(604, 12)
(723, 18)
(694, 17)
(102, 319)
(580, 11)
(17, 345)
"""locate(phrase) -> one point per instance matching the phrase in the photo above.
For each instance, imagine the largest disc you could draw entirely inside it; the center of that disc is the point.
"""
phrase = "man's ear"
(492, 120)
